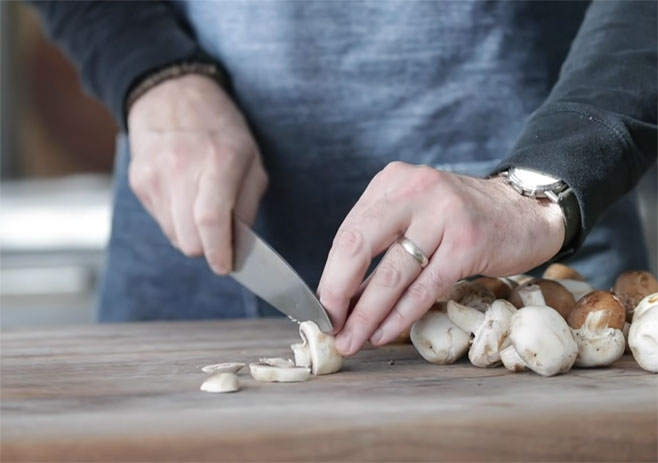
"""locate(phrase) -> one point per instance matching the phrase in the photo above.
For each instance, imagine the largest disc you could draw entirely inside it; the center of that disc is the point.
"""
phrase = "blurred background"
(56, 154)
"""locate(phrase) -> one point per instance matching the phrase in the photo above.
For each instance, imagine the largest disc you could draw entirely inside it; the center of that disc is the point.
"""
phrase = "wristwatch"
(534, 184)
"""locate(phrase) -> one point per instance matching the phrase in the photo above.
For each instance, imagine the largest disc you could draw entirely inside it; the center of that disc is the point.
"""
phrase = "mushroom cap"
(597, 301)
(555, 295)
(500, 287)
(222, 382)
(598, 345)
(470, 294)
(649, 302)
(543, 340)
(270, 374)
(577, 288)
(643, 340)
(437, 339)
(325, 359)
(493, 335)
(631, 287)
(559, 271)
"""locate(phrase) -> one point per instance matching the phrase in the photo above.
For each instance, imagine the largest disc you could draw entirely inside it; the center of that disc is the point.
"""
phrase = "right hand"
(194, 163)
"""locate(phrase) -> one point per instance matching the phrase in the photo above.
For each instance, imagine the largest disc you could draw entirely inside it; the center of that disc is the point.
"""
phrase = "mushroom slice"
(491, 330)
(631, 287)
(317, 350)
(270, 374)
(277, 362)
(437, 339)
(598, 344)
(643, 334)
(222, 382)
(231, 367)
(555, 295)
(542, 340)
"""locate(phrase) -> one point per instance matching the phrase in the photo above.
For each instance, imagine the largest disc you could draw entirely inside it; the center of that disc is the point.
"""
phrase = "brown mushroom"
(470, 294)
(562, 272)
(555, 295)
(500, 287)
(631, 287)
(598, 301)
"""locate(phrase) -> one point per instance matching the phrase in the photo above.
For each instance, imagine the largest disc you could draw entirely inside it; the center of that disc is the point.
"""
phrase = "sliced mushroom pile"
(547, 325)
(316, 355)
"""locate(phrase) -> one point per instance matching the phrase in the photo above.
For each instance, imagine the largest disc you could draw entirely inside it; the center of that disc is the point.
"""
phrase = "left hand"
(464, 225)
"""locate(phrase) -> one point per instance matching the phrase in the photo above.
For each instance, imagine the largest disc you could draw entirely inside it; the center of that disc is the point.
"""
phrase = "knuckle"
(387, 275)
(190, 249)
(141, 179)
(419, 293)
(361, 318)
(349, 241)
(206, 217)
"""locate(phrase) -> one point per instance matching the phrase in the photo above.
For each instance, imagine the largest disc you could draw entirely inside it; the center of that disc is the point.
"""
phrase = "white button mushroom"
(491, 330)
(540, 337)
(597, 320)
(270, 374)
(222, 382)
(437, 339)
(643, 334)
(317, 350)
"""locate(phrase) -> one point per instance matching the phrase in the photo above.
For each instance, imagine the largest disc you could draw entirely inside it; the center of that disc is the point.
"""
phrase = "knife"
(260, 269)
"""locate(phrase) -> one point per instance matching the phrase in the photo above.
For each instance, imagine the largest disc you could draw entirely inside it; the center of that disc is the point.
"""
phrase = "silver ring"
(414, 251)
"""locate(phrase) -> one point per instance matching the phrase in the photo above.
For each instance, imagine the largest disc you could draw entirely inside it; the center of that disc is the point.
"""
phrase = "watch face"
(533, 180)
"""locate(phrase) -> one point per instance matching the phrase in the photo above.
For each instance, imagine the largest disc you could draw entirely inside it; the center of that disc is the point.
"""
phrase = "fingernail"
(344, 344)
(377, 336)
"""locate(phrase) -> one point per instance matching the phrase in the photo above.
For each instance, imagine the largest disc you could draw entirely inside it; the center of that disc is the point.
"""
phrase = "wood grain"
(131, 393)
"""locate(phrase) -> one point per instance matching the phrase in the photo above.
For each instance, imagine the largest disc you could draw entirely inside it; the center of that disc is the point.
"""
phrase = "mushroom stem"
(466, 318)
(532, 295)
(511, 360)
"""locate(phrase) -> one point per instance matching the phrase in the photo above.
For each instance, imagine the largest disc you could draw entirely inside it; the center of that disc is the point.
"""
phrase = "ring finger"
(394, 273)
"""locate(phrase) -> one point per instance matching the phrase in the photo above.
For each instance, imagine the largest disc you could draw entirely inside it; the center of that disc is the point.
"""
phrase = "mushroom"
(270, 374)
(559, 271)
(500, 287)
(277, 362)
(437, 339)
(555, 295)
(540, 337)
(317, 350)
(520, 278)
(598, 344)
(597, 320)
(222, 382)
(631, 287)
(577, 288)
(643, 334)
(595, 301)
(491, 330)
(470, 294)
(231, 367)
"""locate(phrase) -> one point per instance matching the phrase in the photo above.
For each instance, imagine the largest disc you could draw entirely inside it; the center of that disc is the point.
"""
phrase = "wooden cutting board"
(131, 393)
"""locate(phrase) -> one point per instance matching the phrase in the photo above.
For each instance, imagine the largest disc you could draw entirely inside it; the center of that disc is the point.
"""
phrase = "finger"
(182, 216)
(252, 190)
(213, 214)
(364, 234)
(442, 272)
(393, 274)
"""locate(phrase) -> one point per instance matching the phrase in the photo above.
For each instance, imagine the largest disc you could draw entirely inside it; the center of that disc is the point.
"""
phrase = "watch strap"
(572, 221)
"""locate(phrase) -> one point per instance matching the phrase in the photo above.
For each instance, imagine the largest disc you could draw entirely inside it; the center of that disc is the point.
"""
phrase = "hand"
(465, 225)
(194, 163)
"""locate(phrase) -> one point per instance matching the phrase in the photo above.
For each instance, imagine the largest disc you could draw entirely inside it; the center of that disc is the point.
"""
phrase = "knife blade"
(264, 272)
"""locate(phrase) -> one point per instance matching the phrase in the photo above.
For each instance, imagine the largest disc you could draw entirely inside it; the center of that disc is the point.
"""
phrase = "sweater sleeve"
(114, 44)
(597, 128)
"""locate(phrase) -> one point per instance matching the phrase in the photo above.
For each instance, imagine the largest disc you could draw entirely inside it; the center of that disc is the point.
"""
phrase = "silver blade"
(260, 269)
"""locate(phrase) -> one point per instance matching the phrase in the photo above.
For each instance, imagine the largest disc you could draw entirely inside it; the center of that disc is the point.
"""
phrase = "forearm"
(597, 128)
(115, 44)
